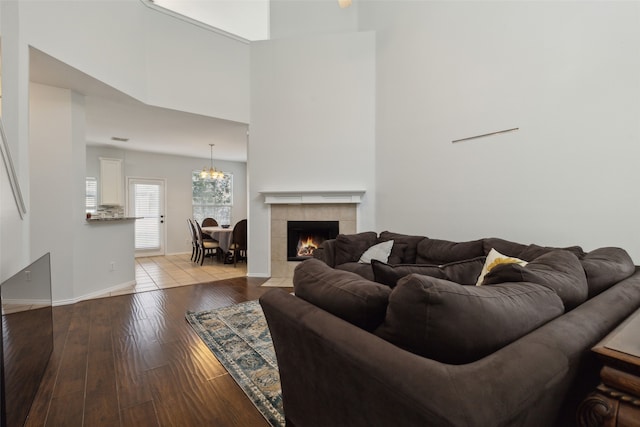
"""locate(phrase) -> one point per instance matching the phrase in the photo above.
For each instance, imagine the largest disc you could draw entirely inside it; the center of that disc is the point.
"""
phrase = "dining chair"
(194, 240)
(206, 246)
(239, 241)
(209, 222)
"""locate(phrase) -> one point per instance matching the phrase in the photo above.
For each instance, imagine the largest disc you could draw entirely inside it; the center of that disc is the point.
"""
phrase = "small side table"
(616, 401)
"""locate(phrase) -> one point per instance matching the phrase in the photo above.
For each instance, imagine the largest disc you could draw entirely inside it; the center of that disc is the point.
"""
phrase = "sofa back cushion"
(457, 324)
(350, 247)
(435, 251)
(409, 251)
(532, 252)
(344, 294)
(463, 272)
(557, 270)
(606, 266)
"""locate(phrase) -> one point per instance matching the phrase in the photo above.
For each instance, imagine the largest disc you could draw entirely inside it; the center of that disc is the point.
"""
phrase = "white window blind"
(91, 195)
(147, 208)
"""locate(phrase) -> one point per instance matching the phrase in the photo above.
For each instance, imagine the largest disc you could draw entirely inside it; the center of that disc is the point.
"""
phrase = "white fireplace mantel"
(311, 197)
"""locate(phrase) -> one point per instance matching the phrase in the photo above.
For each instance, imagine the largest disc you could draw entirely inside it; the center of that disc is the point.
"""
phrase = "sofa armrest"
(333, 373)
(327, 252)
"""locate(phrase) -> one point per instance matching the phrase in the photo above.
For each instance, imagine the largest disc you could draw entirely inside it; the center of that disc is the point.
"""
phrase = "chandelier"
(212, 173)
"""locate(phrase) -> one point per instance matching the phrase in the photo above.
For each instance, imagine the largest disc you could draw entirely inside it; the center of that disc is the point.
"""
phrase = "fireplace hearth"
(304, 237)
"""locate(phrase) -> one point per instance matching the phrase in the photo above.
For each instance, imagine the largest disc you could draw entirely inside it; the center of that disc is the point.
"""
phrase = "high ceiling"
(110, 113)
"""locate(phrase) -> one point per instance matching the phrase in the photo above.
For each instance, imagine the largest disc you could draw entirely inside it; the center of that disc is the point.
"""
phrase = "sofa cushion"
(379, 251)
(410, 241)
(525, 252)
(532, 252)
(397, 253)
(606, 266)
(350, 247)
(390, 274)
(503, 246)
(346, 295)
(558, 270)
(361, 269)
(494, 259)
(457, 324)
(464, 272)
(435, 251)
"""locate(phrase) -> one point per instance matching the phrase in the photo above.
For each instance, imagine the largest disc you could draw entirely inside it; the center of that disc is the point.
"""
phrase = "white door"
(146, 201)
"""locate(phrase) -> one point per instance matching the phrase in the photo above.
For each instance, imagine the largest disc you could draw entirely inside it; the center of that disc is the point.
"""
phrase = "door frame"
(163, 237)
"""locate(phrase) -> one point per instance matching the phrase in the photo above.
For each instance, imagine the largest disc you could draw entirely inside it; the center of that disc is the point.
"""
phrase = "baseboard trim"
(93, 295)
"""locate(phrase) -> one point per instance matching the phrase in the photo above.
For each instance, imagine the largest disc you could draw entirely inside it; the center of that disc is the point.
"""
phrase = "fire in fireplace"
(304, 237)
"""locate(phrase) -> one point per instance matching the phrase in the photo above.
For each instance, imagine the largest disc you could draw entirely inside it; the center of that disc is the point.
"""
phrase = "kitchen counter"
(121, 218)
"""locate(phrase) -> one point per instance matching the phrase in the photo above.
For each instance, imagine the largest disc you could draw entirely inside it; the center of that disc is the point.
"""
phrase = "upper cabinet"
(111, 186)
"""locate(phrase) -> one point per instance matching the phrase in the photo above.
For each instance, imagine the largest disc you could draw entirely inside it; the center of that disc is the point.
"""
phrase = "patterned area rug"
(239, 337)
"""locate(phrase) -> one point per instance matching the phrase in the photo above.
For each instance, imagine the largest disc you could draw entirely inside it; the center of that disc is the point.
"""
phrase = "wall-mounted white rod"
(485, 134)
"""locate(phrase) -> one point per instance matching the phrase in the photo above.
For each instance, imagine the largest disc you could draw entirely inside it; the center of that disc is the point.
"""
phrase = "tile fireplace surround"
(281, 269)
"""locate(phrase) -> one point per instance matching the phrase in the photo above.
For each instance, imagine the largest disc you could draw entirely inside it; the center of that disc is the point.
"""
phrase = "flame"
(306, 246)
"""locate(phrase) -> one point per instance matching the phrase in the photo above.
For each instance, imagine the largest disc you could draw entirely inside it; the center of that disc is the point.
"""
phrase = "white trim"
(259, 275)
(157, 8)
(102, 293)
(312, 197)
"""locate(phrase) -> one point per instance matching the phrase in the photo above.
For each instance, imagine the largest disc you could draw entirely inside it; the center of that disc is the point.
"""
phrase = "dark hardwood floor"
(133, 360)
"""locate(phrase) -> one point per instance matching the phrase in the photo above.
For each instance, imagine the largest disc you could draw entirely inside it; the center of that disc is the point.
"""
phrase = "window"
(91, 195)
(212, 198)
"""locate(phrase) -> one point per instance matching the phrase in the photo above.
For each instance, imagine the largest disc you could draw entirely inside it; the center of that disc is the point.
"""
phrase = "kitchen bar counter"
(121, 218)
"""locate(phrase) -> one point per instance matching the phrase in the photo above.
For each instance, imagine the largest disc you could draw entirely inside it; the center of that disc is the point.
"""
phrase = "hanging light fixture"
(344, 3)
(212, 173)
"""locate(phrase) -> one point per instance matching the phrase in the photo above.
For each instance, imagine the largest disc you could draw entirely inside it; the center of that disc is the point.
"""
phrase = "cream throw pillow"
(496, 258)
(380, 252)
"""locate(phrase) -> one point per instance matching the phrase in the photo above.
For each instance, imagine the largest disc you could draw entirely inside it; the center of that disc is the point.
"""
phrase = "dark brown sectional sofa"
(413, 342)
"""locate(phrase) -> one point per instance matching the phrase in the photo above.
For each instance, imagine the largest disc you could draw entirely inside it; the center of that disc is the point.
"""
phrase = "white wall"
(14, 232)
(176, 171)
(153, 57)
(566, 73)
(293, 18)
(312, 125)
(143, 53)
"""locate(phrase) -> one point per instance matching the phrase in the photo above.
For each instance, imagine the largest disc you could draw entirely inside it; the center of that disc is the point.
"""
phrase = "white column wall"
(312, 125)
(566, 73)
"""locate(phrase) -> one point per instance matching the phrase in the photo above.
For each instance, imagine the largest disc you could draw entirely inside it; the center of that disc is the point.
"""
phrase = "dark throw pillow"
(463, 272)
(390, 274)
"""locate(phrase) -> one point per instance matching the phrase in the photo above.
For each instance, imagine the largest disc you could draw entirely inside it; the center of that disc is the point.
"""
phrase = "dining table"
(222, 235)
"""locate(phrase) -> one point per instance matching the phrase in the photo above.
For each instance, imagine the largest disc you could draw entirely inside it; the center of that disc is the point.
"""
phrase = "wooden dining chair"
(239, 241)
(209, 222)
(206, 246)
(194, 240)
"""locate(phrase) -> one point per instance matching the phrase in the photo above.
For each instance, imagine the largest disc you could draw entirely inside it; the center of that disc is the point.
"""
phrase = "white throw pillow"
(379, 252)
(496, 258)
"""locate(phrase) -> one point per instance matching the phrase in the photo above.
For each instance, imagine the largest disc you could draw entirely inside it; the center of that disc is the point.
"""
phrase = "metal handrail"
(11, 173)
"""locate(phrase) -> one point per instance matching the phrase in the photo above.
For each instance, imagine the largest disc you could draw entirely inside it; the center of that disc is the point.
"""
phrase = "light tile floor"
(159, 272)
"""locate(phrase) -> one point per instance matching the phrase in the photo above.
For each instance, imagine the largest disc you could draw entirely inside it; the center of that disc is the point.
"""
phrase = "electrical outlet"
(112, 266)
(28, 273)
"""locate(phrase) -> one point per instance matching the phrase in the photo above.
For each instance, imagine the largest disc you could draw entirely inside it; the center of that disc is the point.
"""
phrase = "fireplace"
(303, 237)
